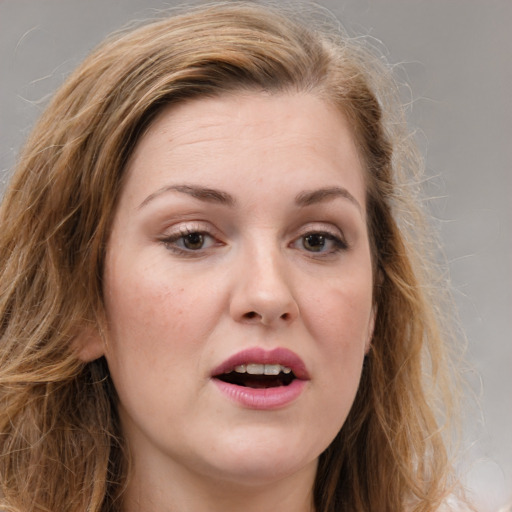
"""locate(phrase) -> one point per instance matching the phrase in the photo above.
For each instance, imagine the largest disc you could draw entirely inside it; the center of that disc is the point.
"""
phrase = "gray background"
(456, 55)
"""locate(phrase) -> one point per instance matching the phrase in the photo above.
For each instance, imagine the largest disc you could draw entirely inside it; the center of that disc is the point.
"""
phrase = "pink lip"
(263, 398)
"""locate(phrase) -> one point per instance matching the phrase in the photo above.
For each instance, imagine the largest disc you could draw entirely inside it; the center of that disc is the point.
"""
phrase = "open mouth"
(258, 376)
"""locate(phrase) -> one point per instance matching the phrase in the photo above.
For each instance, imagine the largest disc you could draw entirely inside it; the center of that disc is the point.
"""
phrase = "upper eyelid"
(333, 230)
(321, 227)
(171, 241)
(190, 226)
(339, 237)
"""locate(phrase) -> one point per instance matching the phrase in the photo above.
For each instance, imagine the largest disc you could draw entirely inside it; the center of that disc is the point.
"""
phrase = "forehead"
(263, 137)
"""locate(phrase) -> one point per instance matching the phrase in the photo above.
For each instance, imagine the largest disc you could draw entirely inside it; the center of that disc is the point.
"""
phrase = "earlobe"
(89, 345)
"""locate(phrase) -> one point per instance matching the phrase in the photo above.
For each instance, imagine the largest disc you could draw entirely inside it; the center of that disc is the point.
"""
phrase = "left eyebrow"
(209, 195)
(321, 195)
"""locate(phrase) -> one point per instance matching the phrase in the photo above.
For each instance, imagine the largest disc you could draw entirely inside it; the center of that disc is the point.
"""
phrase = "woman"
(213, 282)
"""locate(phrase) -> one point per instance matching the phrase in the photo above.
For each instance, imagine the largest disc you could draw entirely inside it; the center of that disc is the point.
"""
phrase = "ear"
(89, 344)
(371, 327)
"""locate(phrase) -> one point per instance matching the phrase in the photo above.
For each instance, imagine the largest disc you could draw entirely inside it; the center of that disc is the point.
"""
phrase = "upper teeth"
(261, 369)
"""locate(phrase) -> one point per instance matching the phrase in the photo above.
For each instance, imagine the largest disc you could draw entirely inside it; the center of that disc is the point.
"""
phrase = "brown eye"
(193, 241)
(322, 243)
(314, 242)
(190, 242)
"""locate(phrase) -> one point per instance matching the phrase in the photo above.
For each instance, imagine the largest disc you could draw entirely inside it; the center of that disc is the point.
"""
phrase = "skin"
(176, 313)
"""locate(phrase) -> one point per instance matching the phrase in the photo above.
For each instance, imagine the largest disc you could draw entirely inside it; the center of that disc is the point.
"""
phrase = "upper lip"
(258, 355)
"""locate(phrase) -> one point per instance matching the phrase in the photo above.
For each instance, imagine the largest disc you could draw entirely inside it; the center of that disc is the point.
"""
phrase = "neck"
(180, 490)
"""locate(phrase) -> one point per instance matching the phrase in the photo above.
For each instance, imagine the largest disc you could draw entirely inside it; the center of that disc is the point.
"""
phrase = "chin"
(260, 473)
(264, 458)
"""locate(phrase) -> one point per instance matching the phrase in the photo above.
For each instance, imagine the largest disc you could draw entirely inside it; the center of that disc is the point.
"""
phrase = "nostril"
(251, 315)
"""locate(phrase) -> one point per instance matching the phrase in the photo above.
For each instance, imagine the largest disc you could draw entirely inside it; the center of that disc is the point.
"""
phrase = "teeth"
(261, 369)
(255, 369)
(272, 369)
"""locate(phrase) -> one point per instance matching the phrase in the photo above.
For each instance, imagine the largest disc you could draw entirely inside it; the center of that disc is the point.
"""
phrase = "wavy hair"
(60, 442)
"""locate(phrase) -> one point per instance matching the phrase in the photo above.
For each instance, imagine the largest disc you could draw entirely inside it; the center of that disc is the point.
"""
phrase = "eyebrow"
(321, 195)
(209, 195)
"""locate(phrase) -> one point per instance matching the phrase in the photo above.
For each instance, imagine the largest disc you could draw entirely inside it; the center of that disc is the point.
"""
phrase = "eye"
(189, 241)
(320, 242)
(315, 242)
(194, 241)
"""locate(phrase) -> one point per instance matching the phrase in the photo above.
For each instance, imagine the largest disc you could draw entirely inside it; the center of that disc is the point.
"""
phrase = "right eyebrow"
(209, 195)
(309, 197)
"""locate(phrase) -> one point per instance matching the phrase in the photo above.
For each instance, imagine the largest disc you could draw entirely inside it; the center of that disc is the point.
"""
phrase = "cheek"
(146, 294)
(339, 320)
(151, 312)
(342, 333)
(340, 314)
(154, 336)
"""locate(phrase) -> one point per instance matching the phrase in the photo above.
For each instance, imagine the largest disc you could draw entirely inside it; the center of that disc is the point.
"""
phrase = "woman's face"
(238, 287)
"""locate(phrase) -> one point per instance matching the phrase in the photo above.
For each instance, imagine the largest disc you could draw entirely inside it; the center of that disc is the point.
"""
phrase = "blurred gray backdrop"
(456, 56)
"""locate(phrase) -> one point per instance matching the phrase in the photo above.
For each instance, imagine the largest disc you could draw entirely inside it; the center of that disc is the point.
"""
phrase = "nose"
(262, 293)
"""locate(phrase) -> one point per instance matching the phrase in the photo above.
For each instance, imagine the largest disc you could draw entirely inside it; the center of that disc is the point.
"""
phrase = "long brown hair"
(60, 442)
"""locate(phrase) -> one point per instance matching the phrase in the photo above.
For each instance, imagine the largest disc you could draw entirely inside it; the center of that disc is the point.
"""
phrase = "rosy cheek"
(342, 309)
(341, 333)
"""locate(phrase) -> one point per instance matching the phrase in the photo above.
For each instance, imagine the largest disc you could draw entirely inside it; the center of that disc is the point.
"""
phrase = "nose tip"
(264, 295)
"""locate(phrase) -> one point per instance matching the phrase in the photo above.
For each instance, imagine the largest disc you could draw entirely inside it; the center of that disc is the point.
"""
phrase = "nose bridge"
(264, 290)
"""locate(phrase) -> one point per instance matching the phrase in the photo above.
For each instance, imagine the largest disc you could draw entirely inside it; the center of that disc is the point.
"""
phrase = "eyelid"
(322, 227)
(186, 227)
(333, 232)
(180, 230)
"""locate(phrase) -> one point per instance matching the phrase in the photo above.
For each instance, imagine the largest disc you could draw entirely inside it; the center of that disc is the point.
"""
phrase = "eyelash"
(170, 242)
(337, 243)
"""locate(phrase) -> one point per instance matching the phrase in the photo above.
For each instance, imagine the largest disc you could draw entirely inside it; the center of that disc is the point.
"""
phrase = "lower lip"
(262, 398)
